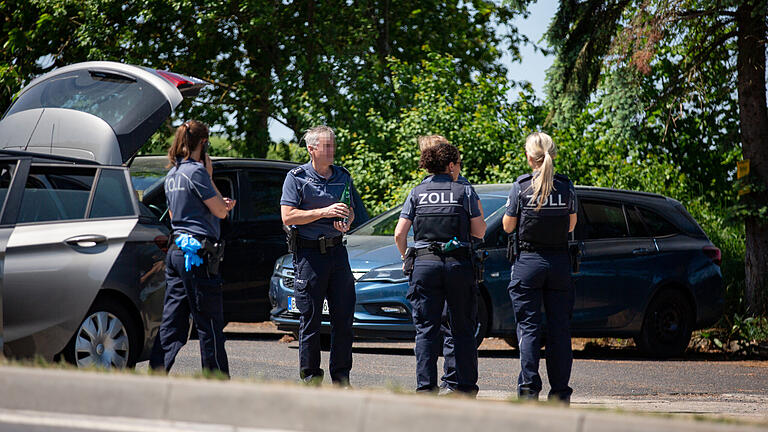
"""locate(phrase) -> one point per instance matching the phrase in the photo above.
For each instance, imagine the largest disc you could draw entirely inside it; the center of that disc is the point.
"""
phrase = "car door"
(12, 174)
(62, 247)
(614, 265)
(256, 241)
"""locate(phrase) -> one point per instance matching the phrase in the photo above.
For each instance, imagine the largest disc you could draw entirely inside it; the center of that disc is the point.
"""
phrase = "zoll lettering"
(549, 202)
(172, 186)
(437, 198)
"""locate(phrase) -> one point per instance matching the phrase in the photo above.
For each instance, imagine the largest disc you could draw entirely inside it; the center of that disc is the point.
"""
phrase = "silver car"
(82, 260)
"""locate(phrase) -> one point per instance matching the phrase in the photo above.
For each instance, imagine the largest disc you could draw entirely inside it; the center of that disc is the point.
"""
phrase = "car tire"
(483, 320)
(107, 337)
(667, 325)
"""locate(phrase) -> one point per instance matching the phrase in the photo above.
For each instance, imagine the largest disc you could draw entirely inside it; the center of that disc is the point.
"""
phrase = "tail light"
(714, 254)
(179, 81)
(162, 242)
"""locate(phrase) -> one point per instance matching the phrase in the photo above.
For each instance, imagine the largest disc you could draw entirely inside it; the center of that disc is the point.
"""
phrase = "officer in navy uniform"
(310, 204)
(448, 381)
(542, 207)
(193, 286)
(445, 214)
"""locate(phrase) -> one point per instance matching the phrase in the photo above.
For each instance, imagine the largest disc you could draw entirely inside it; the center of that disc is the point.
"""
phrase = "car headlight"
(390, 273)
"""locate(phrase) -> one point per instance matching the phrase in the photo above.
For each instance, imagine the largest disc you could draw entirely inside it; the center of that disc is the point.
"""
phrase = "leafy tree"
(477, 116)
(267, 59)
(678, 62)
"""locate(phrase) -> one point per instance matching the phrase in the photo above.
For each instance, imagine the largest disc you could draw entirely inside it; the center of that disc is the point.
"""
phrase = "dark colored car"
(82, 260)
(647, 271)
(253, 231)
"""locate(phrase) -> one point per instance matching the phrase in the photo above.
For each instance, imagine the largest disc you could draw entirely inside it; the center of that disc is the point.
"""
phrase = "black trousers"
(191, 292)
(320, 276)
(543, 279)
(436, 284)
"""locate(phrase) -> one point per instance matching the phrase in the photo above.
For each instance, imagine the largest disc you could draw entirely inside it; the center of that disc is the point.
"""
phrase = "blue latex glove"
(189, 245)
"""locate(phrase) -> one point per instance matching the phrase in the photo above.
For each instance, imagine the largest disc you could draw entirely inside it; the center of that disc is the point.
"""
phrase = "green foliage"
(382, 152)
(265, 59)
(743, 336)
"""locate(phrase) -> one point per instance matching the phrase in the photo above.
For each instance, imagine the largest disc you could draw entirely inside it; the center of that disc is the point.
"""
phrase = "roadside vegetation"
(643, 95)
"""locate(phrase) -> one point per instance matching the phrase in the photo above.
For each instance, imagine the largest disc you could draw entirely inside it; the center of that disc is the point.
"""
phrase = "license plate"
(292, 305)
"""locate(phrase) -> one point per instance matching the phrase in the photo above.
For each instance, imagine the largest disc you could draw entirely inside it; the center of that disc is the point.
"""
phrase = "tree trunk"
(753, 115)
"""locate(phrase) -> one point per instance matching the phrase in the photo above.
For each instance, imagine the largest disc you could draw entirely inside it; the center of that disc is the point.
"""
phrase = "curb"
(296, 408)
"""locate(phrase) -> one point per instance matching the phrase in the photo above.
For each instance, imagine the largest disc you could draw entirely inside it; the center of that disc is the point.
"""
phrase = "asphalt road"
(612, 377)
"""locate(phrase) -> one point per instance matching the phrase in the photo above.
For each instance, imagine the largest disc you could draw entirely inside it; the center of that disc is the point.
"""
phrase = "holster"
(574, 252)
(213, 253)
(478, 264)
(409, 260)
(513, 247)
(292, 239)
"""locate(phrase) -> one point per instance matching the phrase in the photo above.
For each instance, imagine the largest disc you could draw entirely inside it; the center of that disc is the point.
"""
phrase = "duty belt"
(427, 253)
(321, 243)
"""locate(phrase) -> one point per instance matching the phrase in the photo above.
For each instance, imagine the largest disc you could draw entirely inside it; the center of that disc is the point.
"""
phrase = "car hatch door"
(104, 111)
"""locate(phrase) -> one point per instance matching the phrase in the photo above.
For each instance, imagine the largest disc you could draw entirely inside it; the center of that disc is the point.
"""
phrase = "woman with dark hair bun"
(192, 276)
(445, 215)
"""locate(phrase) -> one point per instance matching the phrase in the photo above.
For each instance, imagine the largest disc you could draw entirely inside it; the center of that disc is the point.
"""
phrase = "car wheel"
(107, 338)
(667, 325)
(481, 327)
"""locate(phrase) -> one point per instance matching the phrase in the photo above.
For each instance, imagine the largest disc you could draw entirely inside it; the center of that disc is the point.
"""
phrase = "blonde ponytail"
(540, 147)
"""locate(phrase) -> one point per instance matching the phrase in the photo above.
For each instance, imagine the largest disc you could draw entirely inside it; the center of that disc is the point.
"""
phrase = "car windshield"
(384, 224)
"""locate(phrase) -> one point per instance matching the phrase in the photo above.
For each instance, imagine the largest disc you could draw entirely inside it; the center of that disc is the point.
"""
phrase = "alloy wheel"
(102, 341)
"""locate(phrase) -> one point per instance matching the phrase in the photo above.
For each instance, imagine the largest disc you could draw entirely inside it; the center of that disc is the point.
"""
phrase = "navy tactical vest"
(546, 228)
(442, 211)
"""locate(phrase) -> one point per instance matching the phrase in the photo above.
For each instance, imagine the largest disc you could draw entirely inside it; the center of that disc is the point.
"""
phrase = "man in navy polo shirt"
(310, 203)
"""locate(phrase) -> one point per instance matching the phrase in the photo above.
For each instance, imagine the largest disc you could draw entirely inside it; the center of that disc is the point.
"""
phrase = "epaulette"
(344, 170)
(298, 170)
(524, 177)
(562, 177)
(462, 180)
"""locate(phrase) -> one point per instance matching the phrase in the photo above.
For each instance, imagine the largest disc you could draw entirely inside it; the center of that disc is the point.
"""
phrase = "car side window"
(263, 202)
(603, 220)
(7, 169)
(657, 224)
(56, 193)
(635, 221)
(112, 197)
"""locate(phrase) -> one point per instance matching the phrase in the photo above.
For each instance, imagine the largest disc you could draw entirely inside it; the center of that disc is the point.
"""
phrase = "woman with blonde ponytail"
(542, 208)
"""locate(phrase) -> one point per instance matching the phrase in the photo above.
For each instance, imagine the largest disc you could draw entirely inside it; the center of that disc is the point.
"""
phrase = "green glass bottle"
(345, 199)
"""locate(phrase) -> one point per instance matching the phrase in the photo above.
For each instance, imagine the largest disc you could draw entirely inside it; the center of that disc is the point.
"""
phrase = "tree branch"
(698, 60)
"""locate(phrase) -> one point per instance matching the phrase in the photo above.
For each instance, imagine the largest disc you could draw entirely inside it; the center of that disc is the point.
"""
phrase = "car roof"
(499, 188)
(160, 162)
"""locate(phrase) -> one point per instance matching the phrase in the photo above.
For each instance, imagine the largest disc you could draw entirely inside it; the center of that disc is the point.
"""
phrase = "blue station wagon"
(648, 271)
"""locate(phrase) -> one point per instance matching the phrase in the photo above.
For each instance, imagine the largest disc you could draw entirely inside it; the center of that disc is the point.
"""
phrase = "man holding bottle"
(312, 206)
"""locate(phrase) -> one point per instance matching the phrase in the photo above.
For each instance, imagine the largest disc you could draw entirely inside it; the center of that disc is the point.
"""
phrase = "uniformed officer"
(542, 207)
(310, 204)
(193, 283)
(445, 214)
(449, 382)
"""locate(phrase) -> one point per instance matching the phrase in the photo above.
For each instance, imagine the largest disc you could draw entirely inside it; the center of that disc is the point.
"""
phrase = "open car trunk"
(102, 111)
